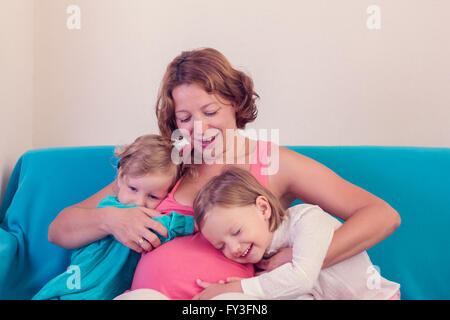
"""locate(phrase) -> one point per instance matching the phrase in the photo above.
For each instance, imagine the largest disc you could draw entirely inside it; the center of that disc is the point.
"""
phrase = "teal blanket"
(43, 183)
(105, 268)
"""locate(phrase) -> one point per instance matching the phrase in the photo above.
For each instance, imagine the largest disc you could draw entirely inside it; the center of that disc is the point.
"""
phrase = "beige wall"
(324, 78)
(16, 83)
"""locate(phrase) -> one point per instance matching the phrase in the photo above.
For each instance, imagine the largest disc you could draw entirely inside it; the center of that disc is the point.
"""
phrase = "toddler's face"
(241, 233)
(145, 191)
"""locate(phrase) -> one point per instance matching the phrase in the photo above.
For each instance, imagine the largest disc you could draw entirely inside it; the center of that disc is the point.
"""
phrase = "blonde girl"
(245, 221)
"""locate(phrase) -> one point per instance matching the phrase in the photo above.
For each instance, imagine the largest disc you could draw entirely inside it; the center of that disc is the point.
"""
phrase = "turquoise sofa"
(415, 181)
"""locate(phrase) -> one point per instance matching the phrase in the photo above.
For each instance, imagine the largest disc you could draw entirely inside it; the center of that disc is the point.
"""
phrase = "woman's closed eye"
(210, 114)
(150, 196)
(132, 188)
(185, 119)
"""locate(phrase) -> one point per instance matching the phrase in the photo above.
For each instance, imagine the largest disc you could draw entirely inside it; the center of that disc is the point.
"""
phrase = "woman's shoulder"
(276, 154)
(292, 173)
(290, 161)
(280, 160)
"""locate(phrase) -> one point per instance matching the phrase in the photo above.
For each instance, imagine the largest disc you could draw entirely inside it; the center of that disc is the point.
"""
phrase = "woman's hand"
(84, 223)
(131, 227)
(283, 256)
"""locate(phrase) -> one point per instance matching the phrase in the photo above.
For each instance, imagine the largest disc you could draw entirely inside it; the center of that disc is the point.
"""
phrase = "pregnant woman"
(203, 98)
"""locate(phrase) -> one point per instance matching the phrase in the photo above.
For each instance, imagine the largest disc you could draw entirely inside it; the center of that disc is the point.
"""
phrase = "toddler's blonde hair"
(148, 154)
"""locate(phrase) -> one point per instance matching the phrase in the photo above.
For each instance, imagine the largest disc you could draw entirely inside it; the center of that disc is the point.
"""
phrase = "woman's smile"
(202, 115)
(205, 142)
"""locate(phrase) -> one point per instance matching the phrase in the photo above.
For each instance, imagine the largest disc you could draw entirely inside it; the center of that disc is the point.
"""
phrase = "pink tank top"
(174, 267)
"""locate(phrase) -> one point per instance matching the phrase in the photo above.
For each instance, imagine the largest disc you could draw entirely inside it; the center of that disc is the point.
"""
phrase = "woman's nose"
(200, 126)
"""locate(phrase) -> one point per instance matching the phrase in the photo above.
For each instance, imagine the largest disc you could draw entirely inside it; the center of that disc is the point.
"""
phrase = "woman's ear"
(263, 206)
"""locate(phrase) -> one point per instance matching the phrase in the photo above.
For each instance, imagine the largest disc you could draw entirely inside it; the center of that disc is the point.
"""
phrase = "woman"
(204, 97)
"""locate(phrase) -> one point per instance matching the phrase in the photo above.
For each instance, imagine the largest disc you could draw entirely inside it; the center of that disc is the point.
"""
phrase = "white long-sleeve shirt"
(308, 230)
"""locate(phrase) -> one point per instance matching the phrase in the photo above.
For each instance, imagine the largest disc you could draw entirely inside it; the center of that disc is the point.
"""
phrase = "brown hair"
(235, 188)
(147, 154)
(211, 70)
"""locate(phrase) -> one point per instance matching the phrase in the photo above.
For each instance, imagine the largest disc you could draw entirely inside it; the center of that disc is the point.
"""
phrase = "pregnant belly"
(174, 267)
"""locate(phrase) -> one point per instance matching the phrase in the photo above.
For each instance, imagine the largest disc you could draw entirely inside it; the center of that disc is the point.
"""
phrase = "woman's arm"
(361, 231)
(368, 219)
(83, 223)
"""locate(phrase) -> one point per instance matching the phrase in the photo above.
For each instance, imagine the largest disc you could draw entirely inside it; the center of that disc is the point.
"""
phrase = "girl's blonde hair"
(235, 188)
(146, 155)
(209, 69)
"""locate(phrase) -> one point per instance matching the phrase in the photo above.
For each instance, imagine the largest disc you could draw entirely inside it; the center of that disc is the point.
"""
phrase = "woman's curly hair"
(209, 69)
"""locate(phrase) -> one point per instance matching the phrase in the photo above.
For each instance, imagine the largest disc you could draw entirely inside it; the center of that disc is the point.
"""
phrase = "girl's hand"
(131, 227)
(214, 289)
(278, 259)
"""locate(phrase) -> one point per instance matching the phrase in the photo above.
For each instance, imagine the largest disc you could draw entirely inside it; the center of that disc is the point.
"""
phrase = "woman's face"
(203, 119)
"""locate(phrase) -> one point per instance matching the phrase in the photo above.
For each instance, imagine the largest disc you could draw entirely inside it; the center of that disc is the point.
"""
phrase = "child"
(244, 220)
(105, 268)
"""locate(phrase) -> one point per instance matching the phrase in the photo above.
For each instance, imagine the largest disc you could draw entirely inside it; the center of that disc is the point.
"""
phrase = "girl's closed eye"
(153, 197)
(132, 188)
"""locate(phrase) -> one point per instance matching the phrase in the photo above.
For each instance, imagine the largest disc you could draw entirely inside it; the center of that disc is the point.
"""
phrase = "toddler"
(105, 268)
(244, 220)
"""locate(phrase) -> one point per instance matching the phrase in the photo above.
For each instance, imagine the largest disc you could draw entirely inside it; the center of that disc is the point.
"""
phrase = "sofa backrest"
(413, 180)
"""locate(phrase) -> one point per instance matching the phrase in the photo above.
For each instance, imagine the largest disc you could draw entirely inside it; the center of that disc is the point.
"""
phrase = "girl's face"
(145, 191)
(241, 233)
(211, 116)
